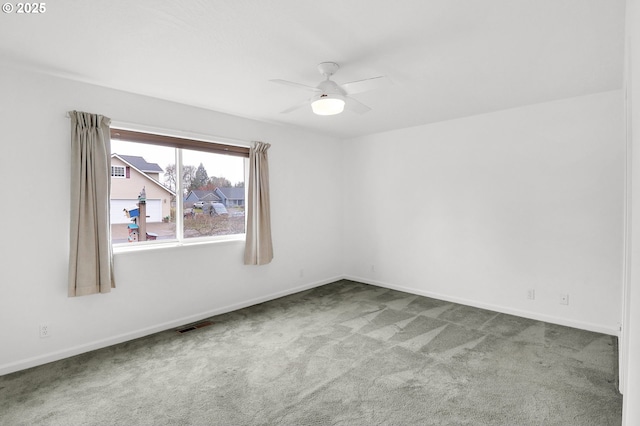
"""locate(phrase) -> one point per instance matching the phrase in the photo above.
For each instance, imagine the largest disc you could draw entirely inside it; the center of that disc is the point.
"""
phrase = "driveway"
(120, 232)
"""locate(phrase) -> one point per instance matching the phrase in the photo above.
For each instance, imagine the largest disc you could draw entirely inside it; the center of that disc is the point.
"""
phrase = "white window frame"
(180, 240)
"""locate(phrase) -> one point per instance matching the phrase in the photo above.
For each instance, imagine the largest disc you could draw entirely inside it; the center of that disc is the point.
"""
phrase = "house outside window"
(175, 193)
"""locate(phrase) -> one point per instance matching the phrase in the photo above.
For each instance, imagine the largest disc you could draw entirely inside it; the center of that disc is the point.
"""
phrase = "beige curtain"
(90, 255)
(258, 249)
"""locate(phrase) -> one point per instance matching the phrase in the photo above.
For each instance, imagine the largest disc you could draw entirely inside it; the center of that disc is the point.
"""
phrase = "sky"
(217, 165)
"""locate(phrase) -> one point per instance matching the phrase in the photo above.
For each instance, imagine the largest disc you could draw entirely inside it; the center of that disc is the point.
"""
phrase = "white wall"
(481, 209)
(630, 347)
(156, 289)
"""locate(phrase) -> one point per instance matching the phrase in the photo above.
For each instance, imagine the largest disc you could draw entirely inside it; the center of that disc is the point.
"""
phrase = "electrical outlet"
(564, 299)
(45, 330)
(373, 268)
(531, 294)
(301, 273)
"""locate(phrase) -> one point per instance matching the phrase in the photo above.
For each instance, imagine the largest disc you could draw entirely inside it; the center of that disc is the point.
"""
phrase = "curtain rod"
(173, 132)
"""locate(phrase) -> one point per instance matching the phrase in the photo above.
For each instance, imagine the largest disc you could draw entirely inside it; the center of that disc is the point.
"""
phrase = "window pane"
(136, 166)
(118, 171)
(214, 195)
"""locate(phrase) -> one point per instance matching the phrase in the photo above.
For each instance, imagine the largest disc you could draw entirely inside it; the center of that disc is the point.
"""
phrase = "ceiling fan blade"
(366, 85)
(356, 106)
(298, 85)
(295, 107)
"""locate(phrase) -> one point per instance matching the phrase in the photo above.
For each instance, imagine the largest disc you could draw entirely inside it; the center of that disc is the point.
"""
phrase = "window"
(118, 171)
(175, 189)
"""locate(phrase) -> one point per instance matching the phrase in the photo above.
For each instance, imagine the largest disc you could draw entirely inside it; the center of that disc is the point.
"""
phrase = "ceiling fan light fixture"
(328, 104)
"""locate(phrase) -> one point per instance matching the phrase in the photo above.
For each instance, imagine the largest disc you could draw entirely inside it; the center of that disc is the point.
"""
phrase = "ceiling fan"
(330, 98)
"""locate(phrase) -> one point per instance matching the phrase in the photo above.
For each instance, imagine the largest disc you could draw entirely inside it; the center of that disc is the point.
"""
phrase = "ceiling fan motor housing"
(328, 68)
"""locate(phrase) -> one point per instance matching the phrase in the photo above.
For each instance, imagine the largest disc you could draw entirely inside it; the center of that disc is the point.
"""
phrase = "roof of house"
(204, 195)
(143, 167)
(210, 196)
(141, 164)
(233, 193)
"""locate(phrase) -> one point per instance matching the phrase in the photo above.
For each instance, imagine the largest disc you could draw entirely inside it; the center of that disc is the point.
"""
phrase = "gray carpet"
(342, 354)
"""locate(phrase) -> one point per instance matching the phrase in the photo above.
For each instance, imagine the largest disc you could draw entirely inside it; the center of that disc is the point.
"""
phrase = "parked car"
(219, 209)
(198, 204)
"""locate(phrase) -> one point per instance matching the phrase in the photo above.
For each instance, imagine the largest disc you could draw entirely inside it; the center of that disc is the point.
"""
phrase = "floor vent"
(192, 327)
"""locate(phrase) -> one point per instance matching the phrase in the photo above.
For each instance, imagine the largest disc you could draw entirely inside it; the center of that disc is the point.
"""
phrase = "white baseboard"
(113, 340)
(597, 328)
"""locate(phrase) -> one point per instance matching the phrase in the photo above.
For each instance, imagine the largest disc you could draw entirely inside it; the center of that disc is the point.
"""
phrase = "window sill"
(134, 247)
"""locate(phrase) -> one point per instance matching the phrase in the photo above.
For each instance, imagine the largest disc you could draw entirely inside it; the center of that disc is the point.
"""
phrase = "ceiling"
(446, 58)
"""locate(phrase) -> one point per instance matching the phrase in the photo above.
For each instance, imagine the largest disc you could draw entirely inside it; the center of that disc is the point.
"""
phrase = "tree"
(219, 182)
(195, 178)
(170, 179)
(188, 176)
(201, 178)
